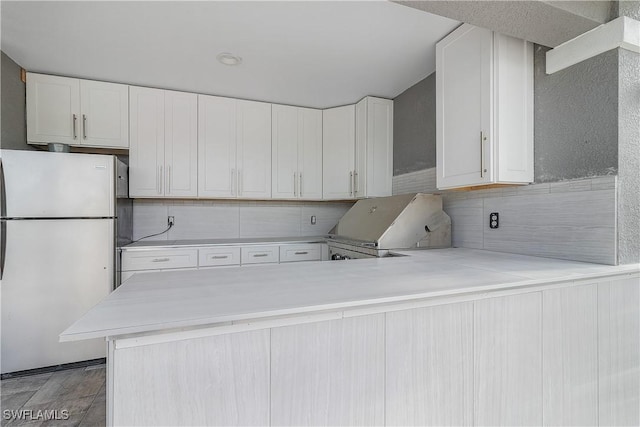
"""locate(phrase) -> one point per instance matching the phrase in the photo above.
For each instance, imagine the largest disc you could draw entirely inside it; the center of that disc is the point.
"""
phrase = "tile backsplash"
(214, 219)
(573, 220)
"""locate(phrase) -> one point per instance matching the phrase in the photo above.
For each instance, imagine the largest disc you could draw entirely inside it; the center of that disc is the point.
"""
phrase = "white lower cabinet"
(508, 360)
(293, 253)
(570, 356)
(159, 259)
(217, 256)
(329, 373)
(260, 254)
(429, 355)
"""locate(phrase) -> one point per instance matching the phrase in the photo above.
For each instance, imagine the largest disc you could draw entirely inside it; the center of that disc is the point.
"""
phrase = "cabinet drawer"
(307, 252)
(159, 259)
(211, 257)
(260, 254)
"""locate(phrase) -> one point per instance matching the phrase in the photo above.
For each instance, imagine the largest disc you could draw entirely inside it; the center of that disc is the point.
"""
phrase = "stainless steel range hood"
(395, 222)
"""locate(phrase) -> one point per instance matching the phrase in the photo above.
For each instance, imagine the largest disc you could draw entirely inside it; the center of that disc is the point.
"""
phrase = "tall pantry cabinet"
(164, 152)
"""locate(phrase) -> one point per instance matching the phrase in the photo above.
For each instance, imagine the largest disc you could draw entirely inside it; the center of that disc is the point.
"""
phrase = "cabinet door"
(105, 114)
(146, 154)
(217, 174)
(374, 147)
(53, 109)
(284, 142)
(181, 144)
(254, 149)
(464, 107)
(309, 153)
(338, 152)
(508, 360)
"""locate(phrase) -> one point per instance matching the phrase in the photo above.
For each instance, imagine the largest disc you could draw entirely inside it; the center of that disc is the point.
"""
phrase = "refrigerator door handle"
(3, 223)
(3, 245)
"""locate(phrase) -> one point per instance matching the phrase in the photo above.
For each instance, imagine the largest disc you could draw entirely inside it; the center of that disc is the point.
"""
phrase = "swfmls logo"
(38, 415)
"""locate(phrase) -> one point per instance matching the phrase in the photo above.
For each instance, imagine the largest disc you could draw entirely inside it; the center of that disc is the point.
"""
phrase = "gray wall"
(414, 127)
(629, 157)
(12, 106)
(576, 118)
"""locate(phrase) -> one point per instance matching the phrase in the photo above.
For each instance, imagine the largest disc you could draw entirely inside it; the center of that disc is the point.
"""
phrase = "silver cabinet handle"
(482, 140)
(295, 183)
(351, 183)
(161, 259)
(260, 255)
(75, 122)
(161, 175)
(300, 184)
(233, 176)
(301, 253)
(219, 256)
(168, 179)
(84, 126)
(239, 175)
(355, 183)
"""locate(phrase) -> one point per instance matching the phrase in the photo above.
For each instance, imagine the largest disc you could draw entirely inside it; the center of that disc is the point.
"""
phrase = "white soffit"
(309, 53)
(622, 32)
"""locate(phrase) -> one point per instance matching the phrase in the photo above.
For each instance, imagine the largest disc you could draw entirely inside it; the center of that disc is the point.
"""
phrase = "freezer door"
(40, 184)
(55, 271)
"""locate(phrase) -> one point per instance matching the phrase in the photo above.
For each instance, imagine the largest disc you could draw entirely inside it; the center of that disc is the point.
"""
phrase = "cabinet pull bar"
(239, 175)
(75, 121)
(260, 255)
(84, 126)
(295, 183)
(351, 183)
(169, 179)
(356, 187)
(301, 253)
(482, 139)
(161, 259)
(233, 176)
(220, 257)
(300, 184)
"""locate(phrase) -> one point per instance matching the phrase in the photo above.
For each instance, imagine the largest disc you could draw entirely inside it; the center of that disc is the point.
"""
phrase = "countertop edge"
(631, 270)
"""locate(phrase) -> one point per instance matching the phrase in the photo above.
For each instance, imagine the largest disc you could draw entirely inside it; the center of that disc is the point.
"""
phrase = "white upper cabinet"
(296, 153)
(77, 112)
(253, 120)
(358, 150)
(234, 148)
(374, 148)
(484, 109)
(181, 144)
(217, 174)
(163, 153)
(338, 152)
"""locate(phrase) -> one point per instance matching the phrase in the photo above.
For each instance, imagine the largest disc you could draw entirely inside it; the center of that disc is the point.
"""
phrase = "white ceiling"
(316, 54)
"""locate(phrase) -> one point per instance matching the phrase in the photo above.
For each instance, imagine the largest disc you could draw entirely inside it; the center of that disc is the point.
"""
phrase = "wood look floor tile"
(15, 401)
(96, 415)
(69, 385)
(20, 384)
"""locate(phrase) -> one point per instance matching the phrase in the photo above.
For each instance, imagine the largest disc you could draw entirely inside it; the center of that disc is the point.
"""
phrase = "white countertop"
(157, 244)
(154, 302)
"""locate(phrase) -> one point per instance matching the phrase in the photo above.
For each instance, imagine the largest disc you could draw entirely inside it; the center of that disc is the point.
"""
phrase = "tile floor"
(81, 392)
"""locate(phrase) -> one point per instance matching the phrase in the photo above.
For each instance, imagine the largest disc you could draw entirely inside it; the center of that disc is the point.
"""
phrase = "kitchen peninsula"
(445, 336)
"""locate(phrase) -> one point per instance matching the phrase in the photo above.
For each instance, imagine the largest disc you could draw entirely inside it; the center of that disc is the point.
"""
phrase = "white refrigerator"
(57, 252)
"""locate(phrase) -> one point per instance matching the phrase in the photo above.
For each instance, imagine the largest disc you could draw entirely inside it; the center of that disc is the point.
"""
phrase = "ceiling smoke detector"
(229, 59)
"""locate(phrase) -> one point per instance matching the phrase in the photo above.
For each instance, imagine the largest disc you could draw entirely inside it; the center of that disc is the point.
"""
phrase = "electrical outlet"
(171, 221)
(313, 220)
(494, 220)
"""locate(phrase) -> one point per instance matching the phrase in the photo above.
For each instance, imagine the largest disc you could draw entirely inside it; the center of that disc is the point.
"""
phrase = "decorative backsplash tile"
(214, 219)
(573, 220)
